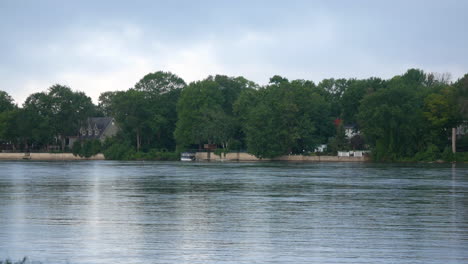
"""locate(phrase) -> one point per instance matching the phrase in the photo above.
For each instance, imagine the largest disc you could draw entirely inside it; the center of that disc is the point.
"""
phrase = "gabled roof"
(101, 123)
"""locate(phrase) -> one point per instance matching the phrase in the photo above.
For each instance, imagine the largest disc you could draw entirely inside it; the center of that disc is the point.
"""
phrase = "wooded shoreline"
(413, 117)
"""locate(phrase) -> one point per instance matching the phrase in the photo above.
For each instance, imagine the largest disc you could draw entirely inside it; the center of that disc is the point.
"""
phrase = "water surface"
(173, 212)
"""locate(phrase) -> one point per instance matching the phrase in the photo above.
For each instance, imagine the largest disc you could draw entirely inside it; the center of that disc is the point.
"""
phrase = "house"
(351, 131)
(321, 148)
(462, 129)
(95, 128)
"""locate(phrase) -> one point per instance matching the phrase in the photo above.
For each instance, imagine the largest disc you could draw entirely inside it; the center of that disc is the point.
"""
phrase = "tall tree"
(392, 118)
(197, 107)
(161, 90)
(69, 110)
(61, 110)
(6, 102)
(6, 110)
(206, 111)
(284, 117)
(441, 113)
(352, 96)
(160, 82)
(106, 103)
(133, 114)
(461, 94)
(333, 90)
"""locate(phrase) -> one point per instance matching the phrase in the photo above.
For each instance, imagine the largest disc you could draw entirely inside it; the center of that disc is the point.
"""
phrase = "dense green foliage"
(46, 118)
(284, 117)
(406, 118)
(206, 115)
(86, 148)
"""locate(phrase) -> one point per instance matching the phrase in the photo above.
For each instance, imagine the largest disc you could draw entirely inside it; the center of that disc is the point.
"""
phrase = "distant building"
(462, 129)
(321, 148)
(355, 153)
(95, 128)
(351, 131)
(343, 153)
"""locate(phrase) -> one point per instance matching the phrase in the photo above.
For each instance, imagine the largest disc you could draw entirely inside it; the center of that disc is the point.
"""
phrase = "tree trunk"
(62, 139)
(138, 139)
(454, 140)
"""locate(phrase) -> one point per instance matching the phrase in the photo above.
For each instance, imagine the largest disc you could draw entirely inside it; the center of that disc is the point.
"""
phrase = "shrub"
(7, 261)
(447, 155)
(86, 148)
(119, 151)
(76, 148)
(461, 157)
(432, 153)
(163, 154)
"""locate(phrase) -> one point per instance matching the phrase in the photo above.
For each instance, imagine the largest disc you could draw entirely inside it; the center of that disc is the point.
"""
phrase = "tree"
(333, 90)
(36, 123)
(284, 117)
(161, 90)
(206, 111)
(6, 102)
(59, 112)
(69, 110)
(199, 103)
(160, 82)
(461, 94)
(147, 113)
(105, 103)
(352, 96)
(7, 111)
(132, 112)
(392, 119)
(442, 114)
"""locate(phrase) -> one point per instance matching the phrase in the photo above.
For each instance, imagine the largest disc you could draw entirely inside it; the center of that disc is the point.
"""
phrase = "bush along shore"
(23, 261)
(412, 117)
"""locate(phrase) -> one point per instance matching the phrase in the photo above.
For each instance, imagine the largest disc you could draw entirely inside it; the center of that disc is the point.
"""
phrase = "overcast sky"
(97, 46)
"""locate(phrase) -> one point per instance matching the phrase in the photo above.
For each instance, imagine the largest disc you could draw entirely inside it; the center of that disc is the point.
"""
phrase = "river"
(173, 212)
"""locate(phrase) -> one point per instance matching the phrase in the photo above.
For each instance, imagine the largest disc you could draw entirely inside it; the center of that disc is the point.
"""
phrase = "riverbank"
(199, 156)
(238, 156)
(47, 156)
(204, 156)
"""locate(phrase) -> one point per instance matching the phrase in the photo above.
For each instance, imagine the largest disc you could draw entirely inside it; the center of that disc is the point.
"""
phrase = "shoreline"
(199, 156)
(204, 157)
(47, 156)
(245, 157)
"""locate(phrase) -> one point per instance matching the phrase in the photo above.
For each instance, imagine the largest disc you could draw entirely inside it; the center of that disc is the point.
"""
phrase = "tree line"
(407, 117)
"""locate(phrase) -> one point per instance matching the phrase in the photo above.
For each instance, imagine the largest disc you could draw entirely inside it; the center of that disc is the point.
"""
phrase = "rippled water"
(172, 212)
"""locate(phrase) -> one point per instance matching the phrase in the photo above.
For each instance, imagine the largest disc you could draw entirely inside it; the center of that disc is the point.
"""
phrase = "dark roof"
(351, 126)
(100, 122)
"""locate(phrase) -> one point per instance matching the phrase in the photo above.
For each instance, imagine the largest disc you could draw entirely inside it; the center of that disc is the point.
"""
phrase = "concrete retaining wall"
(46, 156)
(203, 156)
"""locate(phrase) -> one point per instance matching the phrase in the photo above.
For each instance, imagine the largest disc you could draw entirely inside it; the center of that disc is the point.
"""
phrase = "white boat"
(187, 156)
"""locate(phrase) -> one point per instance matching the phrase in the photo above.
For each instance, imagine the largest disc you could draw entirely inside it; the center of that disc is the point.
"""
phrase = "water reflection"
(163, 212)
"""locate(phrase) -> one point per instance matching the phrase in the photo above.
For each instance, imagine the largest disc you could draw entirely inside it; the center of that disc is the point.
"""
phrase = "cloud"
(107, 58)
(96, 51)
(99, 59)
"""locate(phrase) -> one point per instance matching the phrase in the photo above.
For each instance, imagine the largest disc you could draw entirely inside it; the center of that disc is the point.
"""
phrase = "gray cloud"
(95, 47)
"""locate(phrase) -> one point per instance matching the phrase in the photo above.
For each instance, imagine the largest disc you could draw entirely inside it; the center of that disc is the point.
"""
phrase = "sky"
(98, 46)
